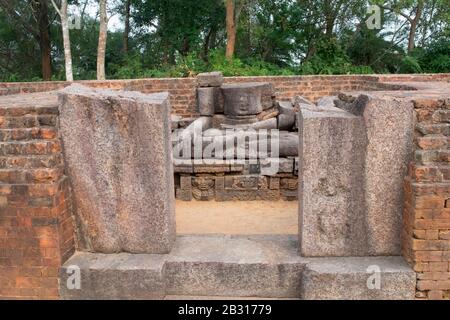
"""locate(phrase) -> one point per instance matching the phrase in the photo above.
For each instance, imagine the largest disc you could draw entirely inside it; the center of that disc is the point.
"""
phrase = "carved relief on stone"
(203, 188)
(289, 184)
(245, 183)
(327, 188)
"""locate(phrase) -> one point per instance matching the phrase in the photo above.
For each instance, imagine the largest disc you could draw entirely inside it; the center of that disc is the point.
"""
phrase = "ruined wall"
(36, 229)
(36, 233)
(426, 234)
(183, 90)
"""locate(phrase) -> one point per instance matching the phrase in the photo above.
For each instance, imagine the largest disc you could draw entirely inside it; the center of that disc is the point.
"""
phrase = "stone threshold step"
(233, 266)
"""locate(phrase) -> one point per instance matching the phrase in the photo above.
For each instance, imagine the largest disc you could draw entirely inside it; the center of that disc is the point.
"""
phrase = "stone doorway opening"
(236, 165)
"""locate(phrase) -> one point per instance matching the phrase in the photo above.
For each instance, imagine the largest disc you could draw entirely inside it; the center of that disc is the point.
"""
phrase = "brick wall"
(426, 236)
(36, 227)
(36, 232)
(183, 90)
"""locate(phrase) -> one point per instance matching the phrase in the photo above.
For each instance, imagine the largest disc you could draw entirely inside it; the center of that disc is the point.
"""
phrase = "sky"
(114, 23)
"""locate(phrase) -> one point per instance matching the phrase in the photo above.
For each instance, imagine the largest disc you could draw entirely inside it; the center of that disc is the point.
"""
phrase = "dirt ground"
(237, 217)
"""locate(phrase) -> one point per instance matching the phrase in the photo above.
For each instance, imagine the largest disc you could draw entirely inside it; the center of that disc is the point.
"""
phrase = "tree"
(413, 18)
(126, 32)
(102, 36)
(33, 16)
(234, 9)
(63, 14)
(231, 29)
(171, 30)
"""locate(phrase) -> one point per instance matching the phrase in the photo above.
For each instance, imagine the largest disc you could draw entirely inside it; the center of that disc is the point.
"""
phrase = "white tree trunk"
(66, 37)
(101, 51)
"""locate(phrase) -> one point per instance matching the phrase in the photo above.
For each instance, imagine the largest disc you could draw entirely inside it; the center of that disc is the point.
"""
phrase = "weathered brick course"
(36, 227)
(36, 231)
(426, 235)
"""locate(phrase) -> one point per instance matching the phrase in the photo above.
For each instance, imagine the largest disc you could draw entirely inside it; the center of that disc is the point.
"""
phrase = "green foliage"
(330, 58)
(436, 57)
(410, 64)
(193, 64)
(181, 38)
(247, 67)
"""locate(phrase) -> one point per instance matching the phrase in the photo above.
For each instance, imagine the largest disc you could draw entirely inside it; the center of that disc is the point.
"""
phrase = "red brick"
(429, 202)
(444, 234)
(432, 224)
(28, 282)
(435, 294)
(433, 285)
(432, 142)
(427, 174)
(428, 104)
(434, 276)
(439, 267)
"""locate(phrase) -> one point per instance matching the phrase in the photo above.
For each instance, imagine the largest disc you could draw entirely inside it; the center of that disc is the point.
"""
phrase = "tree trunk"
(206, 44)
(414, 25)
(329, 27)
(66, 37)
(330, 17)
(126, 32)
(185, 47)
(101, 51)
(231, 29)
(44, 40)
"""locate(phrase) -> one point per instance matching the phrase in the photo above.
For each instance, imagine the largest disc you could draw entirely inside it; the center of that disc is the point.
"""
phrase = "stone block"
(326, 101)
(184, 195)
(268, 96)
(246, 188)
(113, 277)
(203, 188)
(234, 266)
(185, 182)
(206, 101)
(218, 101)
(299, 100)
(268, 114)
(211, 166)
(218, 120)
(274, 183)
(289, 144)
(286, 118)
(332, 145)
(289, 184)
(374, 278)
(206, 266)
(119, 159)
(183, 166)
(352, 167)
(271, 166)
(268, 124)
(390, 131)
(210, 79)
(243, 99)
(237, 122)
(289, 195)
(210, 101)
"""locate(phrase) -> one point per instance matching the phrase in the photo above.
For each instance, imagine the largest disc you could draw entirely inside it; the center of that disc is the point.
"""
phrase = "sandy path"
(237, 217)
